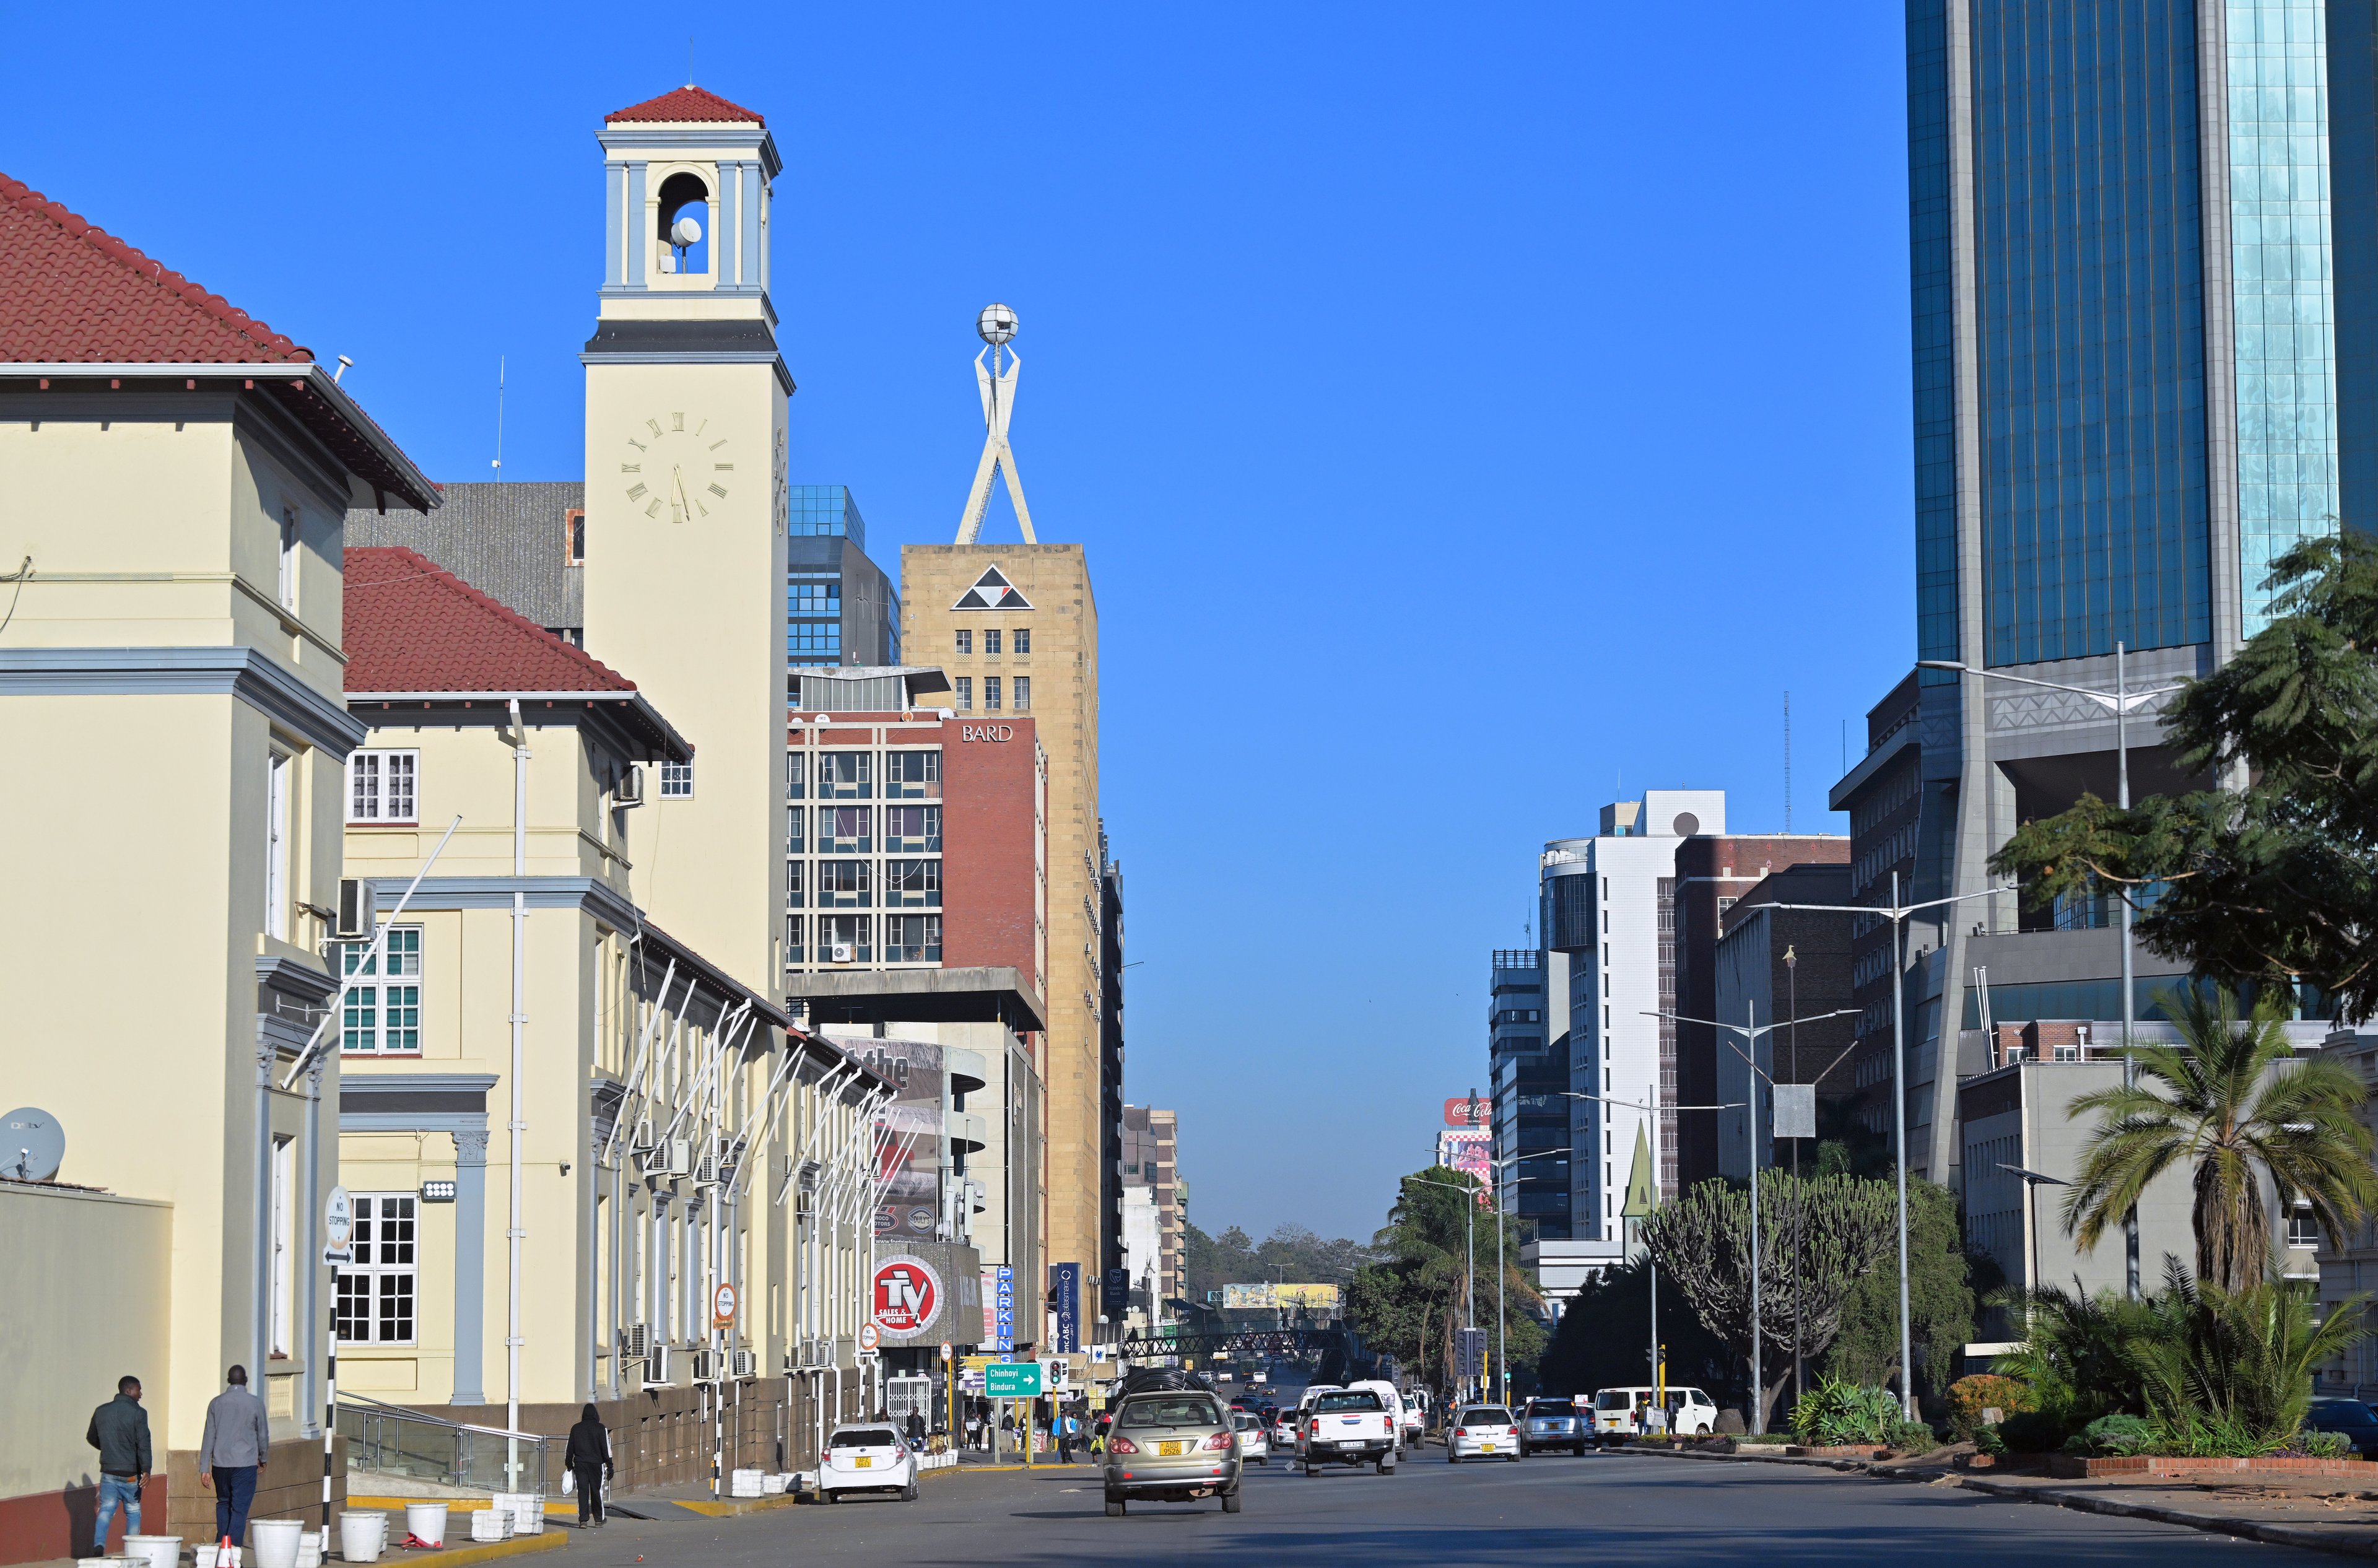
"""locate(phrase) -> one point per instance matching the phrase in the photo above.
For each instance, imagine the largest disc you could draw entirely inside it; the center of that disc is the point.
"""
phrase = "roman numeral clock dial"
(675, 471)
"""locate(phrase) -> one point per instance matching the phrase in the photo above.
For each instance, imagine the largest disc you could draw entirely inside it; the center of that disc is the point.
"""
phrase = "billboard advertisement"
(1065, 1301)
(911, 1207)
(1470, 1153)
(1313, 1297)
(908, 1298)
(1472, 1110)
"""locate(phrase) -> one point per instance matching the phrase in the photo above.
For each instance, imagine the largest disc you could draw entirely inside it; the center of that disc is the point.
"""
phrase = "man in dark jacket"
(589, 1459)
(119, 1430)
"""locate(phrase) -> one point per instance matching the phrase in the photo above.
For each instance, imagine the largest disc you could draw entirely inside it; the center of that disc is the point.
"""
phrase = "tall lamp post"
(1751, 1031)
(2033, 1180)
(2121, 700)
(1470, 1278)
(1502, 1362)
(1898, 913)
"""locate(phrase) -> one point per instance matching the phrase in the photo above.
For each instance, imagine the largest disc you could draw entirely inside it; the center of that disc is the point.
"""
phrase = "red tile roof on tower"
(73, 293)
(413, 626)
(684, 103)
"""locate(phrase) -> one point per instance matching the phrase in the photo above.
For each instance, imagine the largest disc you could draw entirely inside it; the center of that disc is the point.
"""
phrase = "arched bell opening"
(684, 224)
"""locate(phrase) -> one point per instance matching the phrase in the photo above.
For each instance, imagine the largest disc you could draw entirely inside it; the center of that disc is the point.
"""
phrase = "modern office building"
(1777, 967)
(1530, 1118)
(2146, 340)
(840, 608)
(1152, 1184)
(1110, 1065)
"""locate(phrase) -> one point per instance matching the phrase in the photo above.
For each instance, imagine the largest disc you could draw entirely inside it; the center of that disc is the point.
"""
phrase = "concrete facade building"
(1530, 1118)
(1152, 1183)
(1776, 965)
(839, 607)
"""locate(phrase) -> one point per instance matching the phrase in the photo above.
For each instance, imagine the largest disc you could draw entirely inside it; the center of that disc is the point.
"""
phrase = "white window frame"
(376, 781)
(284, 1246)
(387, 1270)
(291, 531)
(676, 781)
(365, 1012)
(280, 774)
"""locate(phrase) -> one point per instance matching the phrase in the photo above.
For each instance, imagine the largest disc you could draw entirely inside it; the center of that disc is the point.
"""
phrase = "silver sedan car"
(1177, 1445)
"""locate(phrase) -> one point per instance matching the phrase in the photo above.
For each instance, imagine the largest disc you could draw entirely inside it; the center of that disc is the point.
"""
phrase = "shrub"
(2111, 1435)
(1969, 1397)
(1914, 1437)
(2322, 1445)
(2031, 1431)
(1988, 1440)
(1837, 1412)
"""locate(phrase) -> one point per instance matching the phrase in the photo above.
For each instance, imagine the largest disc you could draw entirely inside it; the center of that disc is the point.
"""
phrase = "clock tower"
(685, 509)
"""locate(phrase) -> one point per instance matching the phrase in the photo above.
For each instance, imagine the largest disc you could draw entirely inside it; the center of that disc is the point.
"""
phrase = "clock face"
(674, 470)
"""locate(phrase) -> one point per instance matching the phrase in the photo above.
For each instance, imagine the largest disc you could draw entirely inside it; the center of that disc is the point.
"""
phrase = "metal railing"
(387, 1439)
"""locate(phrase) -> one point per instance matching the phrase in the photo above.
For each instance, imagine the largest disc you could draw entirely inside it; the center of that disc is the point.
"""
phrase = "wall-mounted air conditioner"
(844, 952)
(358, 910)
(636, 1341)
(658, 1372)
(705, 1367)
(673, 1157)
(747, 1364)
(643, 1139)
(631, 788)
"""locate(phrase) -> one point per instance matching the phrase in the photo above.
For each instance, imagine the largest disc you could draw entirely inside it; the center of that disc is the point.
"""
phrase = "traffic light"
(1469, 1352)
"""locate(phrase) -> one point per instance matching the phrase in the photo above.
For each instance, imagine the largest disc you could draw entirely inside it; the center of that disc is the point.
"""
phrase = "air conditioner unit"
(674, 1158)
(631, 788)
(705, 1367)
(643, 1139)
(358, 910)
(844, 952)
(816, 1353)
(658, 1372)
(705, 1174)
(746, 1364)
(636, 1341)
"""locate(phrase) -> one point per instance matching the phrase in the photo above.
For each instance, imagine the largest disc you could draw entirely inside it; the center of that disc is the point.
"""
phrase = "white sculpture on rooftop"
(996, 327)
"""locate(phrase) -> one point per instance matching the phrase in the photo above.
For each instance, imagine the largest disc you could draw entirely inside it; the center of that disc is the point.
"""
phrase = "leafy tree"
(1843, 1226)
(1291, 1253)
(2222, 1101)
(2275, 880)
(1939, 1297)
(1412, 1298)
(1604, 1340)
(2226, 1365)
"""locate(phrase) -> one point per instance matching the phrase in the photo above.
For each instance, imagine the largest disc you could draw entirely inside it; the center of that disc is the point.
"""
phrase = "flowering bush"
(1969, 1397)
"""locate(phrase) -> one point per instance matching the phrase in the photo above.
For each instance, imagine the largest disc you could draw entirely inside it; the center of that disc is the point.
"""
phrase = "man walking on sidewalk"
(237, 1440)
(119, 1430)
(590, 1465)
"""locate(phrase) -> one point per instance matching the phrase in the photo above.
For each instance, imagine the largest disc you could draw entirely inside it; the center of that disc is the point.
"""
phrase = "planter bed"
(1846, 1451)
(2066, 1467)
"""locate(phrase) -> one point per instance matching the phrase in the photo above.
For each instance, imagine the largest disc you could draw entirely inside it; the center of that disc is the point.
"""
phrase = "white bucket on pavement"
(157, 1552)
(276, 1541)
(426, 1522)
(363, 1535)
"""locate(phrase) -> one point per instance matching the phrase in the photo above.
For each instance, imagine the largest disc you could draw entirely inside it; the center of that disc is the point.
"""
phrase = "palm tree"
(2213, 1103)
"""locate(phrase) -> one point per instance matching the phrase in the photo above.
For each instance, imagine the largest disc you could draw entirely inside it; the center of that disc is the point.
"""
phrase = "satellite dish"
(685, 231)
(32, 1144)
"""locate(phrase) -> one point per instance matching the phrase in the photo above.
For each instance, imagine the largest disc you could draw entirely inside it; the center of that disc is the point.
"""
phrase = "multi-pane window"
(376, 1291)
(676, 781)
(1022, 694)
(966, 640)
(991, 694)
(573, 536)
(990, 639)
(794, 953)
(964, 686)
(1024, 640)
(845, 775)
(381, 786)
(383, 1013)
(795, 820)
(846, 830)
(793, 884)
(911, 830)
(912, 884)
(2302, 1229)
(813, 619)
(912, 775)
(912, 939)
(796, 773)
(846, 884)
(845, 938)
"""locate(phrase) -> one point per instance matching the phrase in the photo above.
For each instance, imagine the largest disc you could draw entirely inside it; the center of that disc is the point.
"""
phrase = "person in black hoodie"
(590, 1461)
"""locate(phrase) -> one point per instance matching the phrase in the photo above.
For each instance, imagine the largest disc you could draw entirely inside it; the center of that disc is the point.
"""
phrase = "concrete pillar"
(470, 1265)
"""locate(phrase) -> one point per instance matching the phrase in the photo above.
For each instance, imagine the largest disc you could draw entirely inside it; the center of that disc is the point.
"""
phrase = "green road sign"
(1012, 1380)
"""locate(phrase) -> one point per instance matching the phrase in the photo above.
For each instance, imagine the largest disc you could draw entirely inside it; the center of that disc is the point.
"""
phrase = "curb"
(484, 1551)
(2080, 1502)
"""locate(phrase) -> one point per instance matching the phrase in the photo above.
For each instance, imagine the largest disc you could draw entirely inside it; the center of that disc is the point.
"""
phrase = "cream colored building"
(177, 476)
(962, 607)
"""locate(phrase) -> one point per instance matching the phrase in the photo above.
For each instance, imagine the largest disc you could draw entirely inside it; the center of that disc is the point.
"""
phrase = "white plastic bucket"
(276, 1541)
(158, 1551)
(363, 1535)
(426, 1522)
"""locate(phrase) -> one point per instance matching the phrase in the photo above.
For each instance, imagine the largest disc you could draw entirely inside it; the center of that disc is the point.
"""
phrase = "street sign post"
(722, 1306)
(338, 1226)
(1012, 1380)
(869, 1336)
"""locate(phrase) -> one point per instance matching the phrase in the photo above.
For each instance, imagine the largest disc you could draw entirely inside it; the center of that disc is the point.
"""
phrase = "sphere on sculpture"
(995, 324)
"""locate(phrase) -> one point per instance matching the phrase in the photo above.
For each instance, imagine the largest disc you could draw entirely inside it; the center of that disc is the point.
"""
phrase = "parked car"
(1175, 1446)
(1553, 1424)
(1481, 1431)
(2349, 1418)
(1254, 1439)
(866, 1459)
(1349, 1426)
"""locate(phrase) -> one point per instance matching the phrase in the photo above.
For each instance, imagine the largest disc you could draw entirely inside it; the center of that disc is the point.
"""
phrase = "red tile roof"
(687, 102)
(71, 293)
(413, 626)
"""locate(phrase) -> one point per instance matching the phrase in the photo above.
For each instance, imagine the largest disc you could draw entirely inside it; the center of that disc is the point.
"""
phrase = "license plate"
(865, 1463)
(1169, 1450)
(1485, 1448)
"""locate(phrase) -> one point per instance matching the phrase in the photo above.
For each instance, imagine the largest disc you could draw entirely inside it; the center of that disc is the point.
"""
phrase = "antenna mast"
(499, 416)
(1788, 762)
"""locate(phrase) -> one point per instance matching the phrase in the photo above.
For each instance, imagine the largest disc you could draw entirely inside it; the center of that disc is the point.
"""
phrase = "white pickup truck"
(1348, 1426)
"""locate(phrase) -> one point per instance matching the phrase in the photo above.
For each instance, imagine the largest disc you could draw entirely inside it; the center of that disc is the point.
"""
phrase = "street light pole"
(2121, 700)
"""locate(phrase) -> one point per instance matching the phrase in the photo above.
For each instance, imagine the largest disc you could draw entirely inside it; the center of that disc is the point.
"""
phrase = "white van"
(1415, 1416)
(1618, 1412)
(1392, 1397)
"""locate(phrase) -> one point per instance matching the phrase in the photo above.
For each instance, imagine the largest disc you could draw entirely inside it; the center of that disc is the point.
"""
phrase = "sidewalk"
(459, 1556)
(2320, 1512)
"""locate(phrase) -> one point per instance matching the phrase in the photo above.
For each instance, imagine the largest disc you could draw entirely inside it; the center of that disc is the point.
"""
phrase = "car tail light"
(1219, 1441)
(1315, 1429)
(1121, 1445)
(1461, 1432)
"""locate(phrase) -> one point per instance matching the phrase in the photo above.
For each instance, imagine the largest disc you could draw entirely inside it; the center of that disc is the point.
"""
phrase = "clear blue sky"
(1466, 410)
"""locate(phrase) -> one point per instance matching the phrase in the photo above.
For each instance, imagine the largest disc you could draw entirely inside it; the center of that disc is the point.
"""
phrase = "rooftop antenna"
(346, 364)
(499, 416)
(1787, 763)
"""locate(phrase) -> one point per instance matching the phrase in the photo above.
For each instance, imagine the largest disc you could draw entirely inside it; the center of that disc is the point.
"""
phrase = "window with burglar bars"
(382, 1012)
(381, 786)
(376, 1291)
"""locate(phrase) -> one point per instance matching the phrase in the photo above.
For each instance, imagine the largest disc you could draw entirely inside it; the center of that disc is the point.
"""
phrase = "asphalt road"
(1603, 1509)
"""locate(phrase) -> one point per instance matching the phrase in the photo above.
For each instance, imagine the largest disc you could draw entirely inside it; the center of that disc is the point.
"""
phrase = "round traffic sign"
(337, 1219)
(722, 1305)
(869, 1336)
(947, 1348)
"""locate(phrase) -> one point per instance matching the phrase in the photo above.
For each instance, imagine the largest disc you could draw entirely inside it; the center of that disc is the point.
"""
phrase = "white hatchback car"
(1254, 1443)
(862, 1458)
(1481, 1431)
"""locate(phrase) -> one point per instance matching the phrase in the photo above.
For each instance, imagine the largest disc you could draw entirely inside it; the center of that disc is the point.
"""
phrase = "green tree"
(1939, 1297)
(2231, 1102)
(2277, 880)
(2220, 1366)
(1411, 1300)
(1604, 1339)
(1842, 1227)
